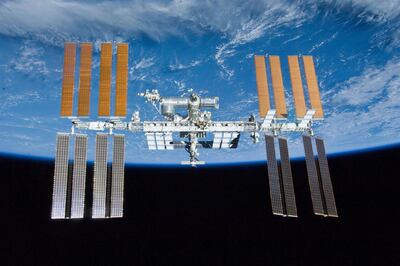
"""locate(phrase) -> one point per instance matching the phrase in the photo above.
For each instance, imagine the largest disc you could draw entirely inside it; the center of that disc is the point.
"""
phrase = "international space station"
(187, 123)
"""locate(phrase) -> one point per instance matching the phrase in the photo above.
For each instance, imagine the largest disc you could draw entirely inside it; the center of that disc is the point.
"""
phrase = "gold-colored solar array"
(262, 85)
(67, 95)
(122, 79)
(312, 85)
(105, 79)
(297, 86)
(277, 85)
(85, 74)
(296, 82)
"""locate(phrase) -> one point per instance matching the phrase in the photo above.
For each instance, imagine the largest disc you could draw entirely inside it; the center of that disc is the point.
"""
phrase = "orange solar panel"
(297, 86)
(122, 79)
(105, 79)
(85, 74)
(67, 96)
(312, 85)
(262, 85)
(277, 85)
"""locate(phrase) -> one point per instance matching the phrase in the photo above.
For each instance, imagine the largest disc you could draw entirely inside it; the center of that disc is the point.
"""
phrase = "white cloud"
(53, 21)
(367, 109)
(30, 60)
(367, 87)
(144, 63)
(176, 66)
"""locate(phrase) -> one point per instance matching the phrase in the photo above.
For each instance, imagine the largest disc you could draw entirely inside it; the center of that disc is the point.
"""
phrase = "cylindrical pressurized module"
(170, 104)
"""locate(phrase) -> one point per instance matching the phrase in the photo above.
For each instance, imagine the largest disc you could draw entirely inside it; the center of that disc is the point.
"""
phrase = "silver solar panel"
(226, 140)
(117, 180)
(326, 179)
(100, 177)
(168, 141)
(151, 141)
(79, 177)
(313, 178)
(223, 140)
(273, 177)
(287, 179)
(60, 177)
(160, 140)
(217, 140)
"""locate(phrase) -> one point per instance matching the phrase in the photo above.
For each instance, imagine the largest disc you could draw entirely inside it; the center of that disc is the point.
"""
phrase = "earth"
(206, 47)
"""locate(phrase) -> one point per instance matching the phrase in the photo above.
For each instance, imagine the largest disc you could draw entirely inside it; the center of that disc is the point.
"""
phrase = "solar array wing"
(100, 177)
(79, 177)
(313, 178)
(312, 85)
(287, 179)
(122, 79)
(262, 85)
(67, 95)
(297, 86)
(273, 177)
(60, 177)
(105, 79)
(85, 75)
(326, 179)
(117, 180)
(277, 84)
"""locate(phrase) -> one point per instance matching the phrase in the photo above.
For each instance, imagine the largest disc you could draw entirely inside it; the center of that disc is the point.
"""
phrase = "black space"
(207, 216)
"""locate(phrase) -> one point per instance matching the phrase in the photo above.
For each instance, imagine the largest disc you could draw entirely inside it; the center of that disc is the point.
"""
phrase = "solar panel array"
(319, 179)
(60, 177)
(100, 177)
(79, 177)
(108, 190)
(70, 177)
(159, 141)
(117, 180)
(287, 179)
(279, 172)
(280, 178)
(277, 200)
(85, 76)
(69, 186)
(278, 86)
(67, 95)
(325, 179)
(225, 140)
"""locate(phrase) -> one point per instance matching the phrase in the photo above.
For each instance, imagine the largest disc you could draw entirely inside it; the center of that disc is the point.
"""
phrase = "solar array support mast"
(192, 128)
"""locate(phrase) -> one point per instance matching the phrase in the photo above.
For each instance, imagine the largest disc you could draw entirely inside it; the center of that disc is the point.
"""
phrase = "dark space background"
(207, 216)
